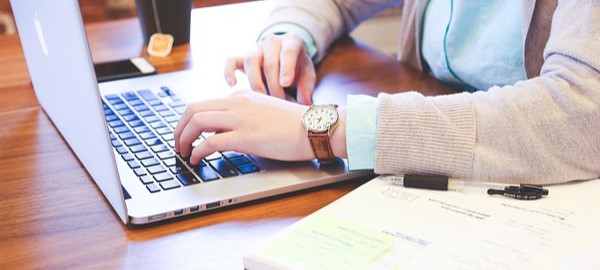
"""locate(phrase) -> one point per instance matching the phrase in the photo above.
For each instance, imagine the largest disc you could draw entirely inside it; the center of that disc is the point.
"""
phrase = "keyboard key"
(111, 117)
(121, 150)
(155, 102)
(116, 143)
(149, 162)
(146, 113)
(116, 123)
(176, 104)
(232, 154)
(187, 179)
(124, 112)
(121, 129)
(248, 168)
(154, 141)
(168, 137)
(140, 171)
(147, 94)
(157, 125)
(206, 173)
(157, 169)
(165, 113)
(132, 141)
(223, 168)
(160, 107)
(143, 155)
(126, 135)
(159, 148)
(147, 135)
(163, 177)
(169, 184)
(136, 123)
(152, 118)
(141, 129)
(153, 188)
(136, 102)
(133, 164)
(165, 155)
(141, 107)
(129, 95)
(237, 161)
(163, 130)
(179, 110)
(147, 179)
(170, 161)
(131, 117)
(137, 148)
(127, 157)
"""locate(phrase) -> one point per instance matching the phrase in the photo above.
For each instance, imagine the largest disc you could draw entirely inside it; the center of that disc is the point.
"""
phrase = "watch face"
(320, 117)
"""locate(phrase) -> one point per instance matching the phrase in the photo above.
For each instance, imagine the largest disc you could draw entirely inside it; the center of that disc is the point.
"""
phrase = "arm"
(326, 20)
(543, 130)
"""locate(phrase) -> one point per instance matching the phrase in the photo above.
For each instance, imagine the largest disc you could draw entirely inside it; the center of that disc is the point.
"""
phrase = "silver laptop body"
(61, 69)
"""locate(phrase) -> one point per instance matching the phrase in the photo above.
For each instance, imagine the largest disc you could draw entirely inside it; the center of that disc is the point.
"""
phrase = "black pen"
(438, 182)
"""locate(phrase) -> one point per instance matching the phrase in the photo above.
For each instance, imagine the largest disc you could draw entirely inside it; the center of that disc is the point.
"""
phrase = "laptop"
(122, 131)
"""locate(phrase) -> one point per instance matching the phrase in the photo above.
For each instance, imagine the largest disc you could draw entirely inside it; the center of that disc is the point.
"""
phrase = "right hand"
(280, 61)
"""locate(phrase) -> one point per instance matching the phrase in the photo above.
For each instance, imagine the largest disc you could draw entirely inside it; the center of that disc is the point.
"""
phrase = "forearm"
(326, 20)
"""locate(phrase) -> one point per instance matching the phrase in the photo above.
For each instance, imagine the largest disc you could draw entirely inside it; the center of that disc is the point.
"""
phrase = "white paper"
(452, 230)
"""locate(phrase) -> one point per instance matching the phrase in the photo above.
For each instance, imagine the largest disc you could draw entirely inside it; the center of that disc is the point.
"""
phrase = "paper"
(452, 230)
(308, 245)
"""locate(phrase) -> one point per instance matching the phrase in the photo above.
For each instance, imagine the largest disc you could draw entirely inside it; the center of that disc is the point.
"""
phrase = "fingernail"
(285, 80)
(230, 81)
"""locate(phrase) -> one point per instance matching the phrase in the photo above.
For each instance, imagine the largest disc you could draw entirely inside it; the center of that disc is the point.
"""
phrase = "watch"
(320, 121)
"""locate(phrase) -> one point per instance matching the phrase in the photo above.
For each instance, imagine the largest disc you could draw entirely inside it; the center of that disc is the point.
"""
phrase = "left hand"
(245, 122)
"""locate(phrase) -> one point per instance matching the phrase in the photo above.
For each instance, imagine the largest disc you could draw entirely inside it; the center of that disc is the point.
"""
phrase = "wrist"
(338, 136)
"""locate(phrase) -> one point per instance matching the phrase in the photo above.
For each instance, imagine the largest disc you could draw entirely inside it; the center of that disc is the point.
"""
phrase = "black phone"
(122, 69)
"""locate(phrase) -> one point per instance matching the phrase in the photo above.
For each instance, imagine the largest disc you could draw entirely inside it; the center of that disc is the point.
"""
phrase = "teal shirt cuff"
(282, 28)
(361, 131)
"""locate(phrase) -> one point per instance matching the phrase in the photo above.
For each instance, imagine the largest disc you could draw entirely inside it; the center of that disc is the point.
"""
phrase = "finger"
(197, 107)
(200, 123)
(231, 65)
(226, 141)
(271, 64)
(253, 69)
(306, 82)
(291, 48)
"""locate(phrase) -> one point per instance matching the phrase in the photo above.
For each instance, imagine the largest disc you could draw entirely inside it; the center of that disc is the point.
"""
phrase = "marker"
(438, 182)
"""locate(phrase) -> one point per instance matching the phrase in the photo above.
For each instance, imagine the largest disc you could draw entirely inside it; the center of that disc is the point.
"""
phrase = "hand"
(280, 61)
(244, 122)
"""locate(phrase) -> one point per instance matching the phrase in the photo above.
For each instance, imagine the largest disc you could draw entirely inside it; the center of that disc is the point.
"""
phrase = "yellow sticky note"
(324, 242)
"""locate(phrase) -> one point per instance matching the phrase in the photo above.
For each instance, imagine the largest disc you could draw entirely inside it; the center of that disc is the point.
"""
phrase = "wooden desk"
(53, 216)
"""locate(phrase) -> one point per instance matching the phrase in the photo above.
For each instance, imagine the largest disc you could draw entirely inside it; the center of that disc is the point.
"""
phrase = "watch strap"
(321, 147)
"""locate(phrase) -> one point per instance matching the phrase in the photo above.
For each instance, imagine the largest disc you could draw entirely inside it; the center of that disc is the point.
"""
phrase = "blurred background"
(375, 32)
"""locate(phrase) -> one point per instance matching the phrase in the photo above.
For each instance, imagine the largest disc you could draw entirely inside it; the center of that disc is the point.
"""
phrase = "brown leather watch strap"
(321, 147)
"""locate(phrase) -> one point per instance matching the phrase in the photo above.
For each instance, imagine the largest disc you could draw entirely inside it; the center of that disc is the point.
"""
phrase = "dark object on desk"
(122, 69)
(166, 17)
(440, 182)
(521, 192)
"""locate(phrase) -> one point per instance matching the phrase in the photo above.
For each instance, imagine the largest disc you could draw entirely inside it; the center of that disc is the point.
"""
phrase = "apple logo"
(40, 35)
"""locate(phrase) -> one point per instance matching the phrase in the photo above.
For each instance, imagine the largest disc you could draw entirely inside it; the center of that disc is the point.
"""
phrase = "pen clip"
(521, 192)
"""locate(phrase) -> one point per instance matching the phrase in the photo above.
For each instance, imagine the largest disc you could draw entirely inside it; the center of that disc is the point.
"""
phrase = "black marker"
(438, 182)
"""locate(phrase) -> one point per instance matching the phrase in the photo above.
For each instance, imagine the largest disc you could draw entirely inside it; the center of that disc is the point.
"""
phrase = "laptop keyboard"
(141, 125)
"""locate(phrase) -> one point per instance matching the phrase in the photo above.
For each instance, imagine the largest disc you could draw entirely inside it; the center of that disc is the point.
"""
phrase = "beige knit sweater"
(542, 130)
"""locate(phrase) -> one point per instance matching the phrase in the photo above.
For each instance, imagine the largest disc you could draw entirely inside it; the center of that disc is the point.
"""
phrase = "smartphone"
(122, 69)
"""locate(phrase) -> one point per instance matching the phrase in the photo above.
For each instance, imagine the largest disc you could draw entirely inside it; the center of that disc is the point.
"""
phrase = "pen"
(439, 182)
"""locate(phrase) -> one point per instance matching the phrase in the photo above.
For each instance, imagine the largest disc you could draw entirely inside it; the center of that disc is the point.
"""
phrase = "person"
(529, 113)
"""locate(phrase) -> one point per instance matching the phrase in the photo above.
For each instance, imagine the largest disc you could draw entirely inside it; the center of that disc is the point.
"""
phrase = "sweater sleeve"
(326, 20)
(543, 130)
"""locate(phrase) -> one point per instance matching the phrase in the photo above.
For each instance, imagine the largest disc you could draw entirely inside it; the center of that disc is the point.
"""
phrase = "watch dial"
(320, 118)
